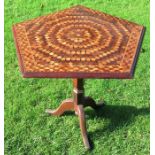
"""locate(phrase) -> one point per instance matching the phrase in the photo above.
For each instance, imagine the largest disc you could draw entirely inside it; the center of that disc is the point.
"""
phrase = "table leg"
(88, 101)
(77, 104)
(79, 101)
(81, 115)
(66, 105)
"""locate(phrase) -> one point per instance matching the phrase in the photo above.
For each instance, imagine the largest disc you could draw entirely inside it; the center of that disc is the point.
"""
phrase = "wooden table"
(77, 43)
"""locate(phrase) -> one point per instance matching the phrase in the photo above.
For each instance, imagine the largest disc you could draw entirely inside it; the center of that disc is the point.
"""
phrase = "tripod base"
(77, 104)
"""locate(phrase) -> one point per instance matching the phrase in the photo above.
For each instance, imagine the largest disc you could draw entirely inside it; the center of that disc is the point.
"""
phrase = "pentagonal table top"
(78, 43)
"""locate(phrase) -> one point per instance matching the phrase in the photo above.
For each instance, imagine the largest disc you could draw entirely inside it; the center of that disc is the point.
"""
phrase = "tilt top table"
(77, 43)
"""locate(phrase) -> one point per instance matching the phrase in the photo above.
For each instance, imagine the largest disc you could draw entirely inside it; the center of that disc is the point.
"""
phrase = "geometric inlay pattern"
(78, 42)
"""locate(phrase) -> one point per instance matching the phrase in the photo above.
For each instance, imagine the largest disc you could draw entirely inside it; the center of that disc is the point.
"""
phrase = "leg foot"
(66, 105)
(80, 112)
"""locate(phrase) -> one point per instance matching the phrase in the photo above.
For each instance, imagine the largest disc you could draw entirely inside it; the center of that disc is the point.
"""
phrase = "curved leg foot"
(80, 112)
(88, 101)
(66, 105)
